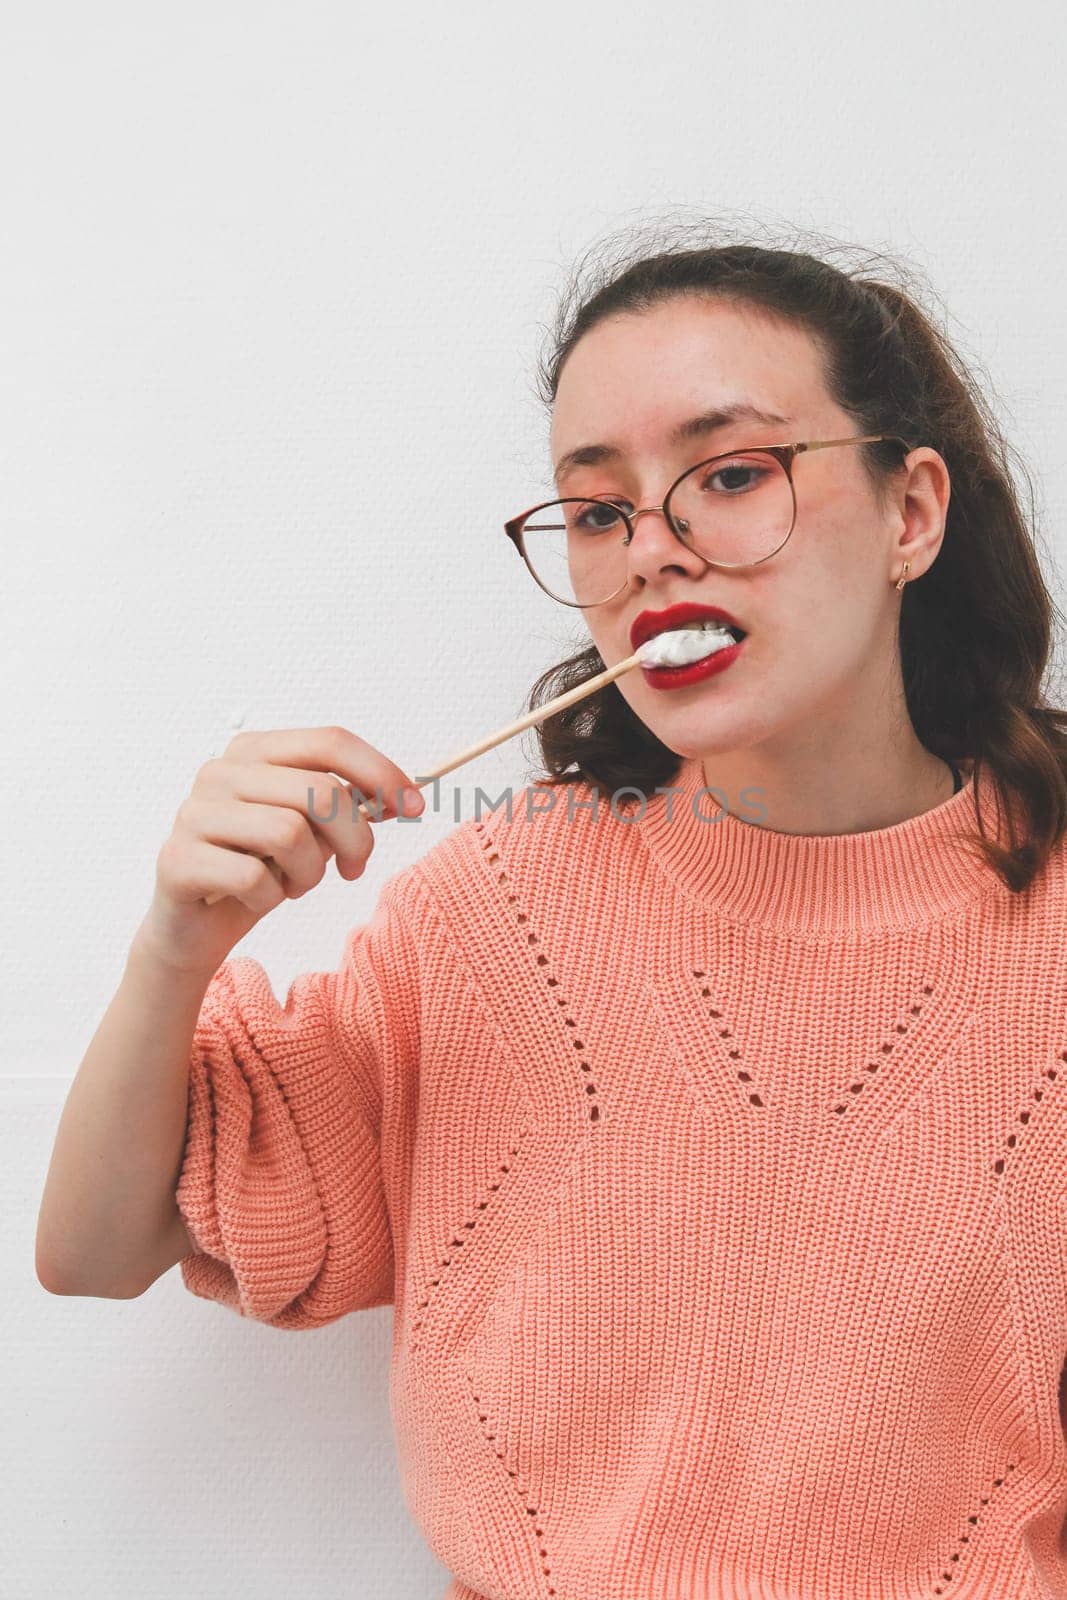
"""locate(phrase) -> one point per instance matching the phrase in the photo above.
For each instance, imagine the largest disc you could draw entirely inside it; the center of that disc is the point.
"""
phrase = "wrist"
(149, 960)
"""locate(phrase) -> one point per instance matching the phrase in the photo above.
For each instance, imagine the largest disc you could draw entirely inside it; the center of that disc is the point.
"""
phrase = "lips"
(648, 623)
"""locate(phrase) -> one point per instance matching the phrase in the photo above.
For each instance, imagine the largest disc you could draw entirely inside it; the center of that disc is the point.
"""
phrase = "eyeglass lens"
(737, 510)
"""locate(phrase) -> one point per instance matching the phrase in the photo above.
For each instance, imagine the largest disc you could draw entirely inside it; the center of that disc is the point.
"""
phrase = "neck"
(854, 763)
(813, 792)
(822, 883)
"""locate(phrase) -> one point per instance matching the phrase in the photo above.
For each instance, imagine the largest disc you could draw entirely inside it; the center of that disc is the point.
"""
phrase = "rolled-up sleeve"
(281, 1186)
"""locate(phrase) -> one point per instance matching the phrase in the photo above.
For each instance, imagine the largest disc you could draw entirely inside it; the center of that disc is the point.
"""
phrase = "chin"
(693, 734)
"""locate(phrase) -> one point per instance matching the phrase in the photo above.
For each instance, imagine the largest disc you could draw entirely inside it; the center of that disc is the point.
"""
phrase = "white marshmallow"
(681, 645)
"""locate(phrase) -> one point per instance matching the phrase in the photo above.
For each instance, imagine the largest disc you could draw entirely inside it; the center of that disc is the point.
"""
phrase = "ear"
(922, 496)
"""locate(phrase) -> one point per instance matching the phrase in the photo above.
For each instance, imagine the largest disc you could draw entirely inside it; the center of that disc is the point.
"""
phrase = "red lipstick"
(649, 623)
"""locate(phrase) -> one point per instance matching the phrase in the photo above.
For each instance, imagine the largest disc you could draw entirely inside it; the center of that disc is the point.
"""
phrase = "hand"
(244, 836)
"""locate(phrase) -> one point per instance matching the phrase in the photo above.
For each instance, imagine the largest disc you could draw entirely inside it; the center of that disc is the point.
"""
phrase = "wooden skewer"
(538, 714)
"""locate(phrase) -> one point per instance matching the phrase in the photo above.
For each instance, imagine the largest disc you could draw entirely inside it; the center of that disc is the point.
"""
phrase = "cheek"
(829, 660)
(820, 644)
(611, 637)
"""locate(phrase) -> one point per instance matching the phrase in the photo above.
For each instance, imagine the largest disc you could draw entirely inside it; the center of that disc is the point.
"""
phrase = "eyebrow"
(593, 455)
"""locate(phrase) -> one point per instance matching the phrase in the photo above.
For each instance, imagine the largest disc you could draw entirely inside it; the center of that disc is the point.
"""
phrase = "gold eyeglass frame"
(784, 454)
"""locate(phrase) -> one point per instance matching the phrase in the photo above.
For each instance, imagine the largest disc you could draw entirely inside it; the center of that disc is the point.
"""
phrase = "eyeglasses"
(575, 549)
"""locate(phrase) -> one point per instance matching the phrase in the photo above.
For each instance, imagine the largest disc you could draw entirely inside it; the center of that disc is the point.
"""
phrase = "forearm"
(110, 1191)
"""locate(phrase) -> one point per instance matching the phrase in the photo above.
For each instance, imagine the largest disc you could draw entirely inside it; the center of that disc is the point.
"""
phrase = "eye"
(587, 517)
(740, 475)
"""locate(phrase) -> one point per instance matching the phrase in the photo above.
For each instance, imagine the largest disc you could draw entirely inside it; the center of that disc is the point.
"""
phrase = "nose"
(649, 556)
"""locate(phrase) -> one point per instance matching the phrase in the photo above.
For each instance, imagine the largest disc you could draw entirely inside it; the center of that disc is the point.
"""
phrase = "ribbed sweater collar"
(915, 871)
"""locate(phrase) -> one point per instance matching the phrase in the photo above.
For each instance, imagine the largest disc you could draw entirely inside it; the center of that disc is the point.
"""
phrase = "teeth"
(704, 624)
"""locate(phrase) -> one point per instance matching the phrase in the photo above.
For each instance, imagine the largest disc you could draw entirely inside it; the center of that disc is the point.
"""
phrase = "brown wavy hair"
(975, 633)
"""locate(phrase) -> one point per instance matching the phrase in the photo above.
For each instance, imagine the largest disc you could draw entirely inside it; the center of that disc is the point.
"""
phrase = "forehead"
(631, 377)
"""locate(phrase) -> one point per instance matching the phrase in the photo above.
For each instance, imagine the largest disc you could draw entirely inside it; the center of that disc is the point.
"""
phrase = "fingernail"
(412, 802)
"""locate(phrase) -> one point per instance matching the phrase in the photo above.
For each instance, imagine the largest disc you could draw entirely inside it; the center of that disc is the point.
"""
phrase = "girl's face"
(820, 615)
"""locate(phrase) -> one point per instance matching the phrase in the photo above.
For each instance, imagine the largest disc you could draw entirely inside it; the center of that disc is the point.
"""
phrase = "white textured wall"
(271, 285)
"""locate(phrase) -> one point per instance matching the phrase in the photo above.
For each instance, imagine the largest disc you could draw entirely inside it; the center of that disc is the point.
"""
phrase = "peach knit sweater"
(717, 1178)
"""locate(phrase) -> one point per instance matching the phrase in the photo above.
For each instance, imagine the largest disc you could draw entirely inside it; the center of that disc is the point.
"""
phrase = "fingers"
(274, 797)
(262, 831)
(190, 869)
(326, 750)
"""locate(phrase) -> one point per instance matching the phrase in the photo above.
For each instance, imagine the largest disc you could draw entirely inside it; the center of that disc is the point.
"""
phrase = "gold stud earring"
(904, 575)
